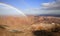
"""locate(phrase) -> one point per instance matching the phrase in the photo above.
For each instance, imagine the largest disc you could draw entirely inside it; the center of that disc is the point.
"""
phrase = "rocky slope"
(18, 24)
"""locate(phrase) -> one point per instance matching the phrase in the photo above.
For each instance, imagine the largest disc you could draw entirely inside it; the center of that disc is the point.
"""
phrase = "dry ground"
(24, 24)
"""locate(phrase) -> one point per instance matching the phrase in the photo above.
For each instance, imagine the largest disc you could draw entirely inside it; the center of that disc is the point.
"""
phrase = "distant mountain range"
(54, 15)
(58, 15)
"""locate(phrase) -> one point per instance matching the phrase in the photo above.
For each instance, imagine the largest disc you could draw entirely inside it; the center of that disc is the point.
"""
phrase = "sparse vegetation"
(25, 27)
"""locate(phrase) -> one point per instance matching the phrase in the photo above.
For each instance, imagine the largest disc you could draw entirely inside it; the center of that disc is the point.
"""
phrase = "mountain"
(55, 15)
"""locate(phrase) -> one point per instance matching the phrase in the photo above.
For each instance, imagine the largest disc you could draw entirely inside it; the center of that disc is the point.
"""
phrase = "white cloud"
(41, 11)
(51, 5)
(46, 8)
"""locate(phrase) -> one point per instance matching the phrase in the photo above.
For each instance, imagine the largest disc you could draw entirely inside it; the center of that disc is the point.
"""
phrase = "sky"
(33, 7)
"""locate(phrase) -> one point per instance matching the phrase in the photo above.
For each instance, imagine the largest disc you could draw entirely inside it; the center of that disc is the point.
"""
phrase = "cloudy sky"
(33, 7)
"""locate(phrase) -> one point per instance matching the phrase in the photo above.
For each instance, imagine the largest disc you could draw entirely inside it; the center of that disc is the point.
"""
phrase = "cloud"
(45, 8)
(37, 11)
(51, 5)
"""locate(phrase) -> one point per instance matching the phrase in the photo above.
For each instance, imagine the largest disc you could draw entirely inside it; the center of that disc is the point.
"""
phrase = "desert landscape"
(30, 26)
(29, 17)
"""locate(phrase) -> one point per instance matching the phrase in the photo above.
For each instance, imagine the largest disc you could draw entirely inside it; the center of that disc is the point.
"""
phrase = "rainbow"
(7, 5)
